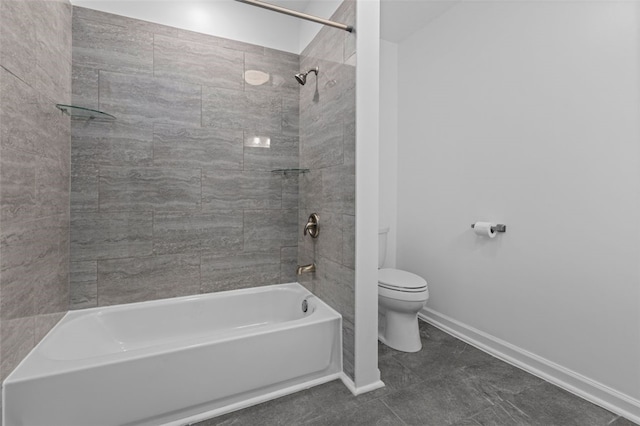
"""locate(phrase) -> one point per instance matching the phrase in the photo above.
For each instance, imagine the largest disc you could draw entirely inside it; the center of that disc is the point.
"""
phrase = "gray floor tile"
(439, 401)
(548, 405)
(371, 413)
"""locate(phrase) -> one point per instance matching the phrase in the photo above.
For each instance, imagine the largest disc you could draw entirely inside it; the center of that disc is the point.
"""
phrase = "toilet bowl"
(401, 295)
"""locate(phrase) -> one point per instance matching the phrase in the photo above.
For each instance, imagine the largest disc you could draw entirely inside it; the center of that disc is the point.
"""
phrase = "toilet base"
(399, 330)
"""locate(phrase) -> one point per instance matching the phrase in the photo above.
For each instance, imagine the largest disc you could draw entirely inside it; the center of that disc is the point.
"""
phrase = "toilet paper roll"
(484, 229)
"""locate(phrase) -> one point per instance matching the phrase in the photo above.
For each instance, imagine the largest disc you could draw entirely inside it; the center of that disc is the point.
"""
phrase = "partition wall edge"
(367, 375)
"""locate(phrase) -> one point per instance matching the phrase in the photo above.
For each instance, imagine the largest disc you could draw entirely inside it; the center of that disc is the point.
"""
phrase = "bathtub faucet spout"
(306, 268)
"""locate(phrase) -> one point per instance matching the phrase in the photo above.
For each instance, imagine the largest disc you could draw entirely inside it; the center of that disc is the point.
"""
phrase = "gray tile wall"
(327, 147)
(169, 200)
(35, 143)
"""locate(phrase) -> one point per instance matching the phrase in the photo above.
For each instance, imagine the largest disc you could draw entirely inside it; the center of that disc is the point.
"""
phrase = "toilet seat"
(398, 280)
(401, 285)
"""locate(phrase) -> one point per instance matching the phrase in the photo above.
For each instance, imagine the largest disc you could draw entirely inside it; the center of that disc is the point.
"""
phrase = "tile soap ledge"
(76, 112)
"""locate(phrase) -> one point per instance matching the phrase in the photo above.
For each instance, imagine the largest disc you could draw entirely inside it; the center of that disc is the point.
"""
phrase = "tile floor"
(447, 383)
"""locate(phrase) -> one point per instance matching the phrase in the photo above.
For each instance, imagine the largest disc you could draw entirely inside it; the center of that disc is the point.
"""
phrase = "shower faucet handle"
(312, 226)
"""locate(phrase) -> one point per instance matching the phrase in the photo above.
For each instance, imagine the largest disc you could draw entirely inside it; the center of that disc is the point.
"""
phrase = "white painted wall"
(526, 113)
(388, 169)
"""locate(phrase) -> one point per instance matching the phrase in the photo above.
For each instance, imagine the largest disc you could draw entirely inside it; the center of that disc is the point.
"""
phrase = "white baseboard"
(346, 380)
(569, 380)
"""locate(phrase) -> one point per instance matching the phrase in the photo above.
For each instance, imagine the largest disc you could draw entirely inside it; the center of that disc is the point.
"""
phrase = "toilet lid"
(397, 279)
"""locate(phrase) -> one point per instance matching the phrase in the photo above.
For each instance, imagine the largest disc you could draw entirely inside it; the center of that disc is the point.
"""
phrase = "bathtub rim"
(17, 376)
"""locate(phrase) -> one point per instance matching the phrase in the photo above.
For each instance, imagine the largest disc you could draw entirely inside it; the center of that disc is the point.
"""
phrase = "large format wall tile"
(238, 189)
(165, 181)
(215, 231)
(35, 74)
(140, 279)
(122, 21)
(281, 154)
(233, 109)
(149, 188)
(83, 277)
(279, 66)
(110, 235)
(144, 99)
(18, 38)
(114, 143)
(265, 229)
(200, 63)
(17, 186)
(84, 86)
(84, 187)
(195, 147)
(229, 272)
(109, 47)
(327, 147)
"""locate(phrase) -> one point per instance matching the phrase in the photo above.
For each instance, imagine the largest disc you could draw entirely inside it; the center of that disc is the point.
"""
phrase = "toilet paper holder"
(498, 228)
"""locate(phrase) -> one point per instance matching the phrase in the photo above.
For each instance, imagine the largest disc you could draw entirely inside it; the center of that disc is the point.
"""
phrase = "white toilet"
(401, 295)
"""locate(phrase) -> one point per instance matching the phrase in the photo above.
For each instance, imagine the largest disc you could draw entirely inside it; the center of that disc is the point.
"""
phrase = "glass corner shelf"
(77, 113)
(287, 172)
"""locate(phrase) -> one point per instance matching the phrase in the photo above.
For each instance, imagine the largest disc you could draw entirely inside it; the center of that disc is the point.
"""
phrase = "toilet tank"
(382, 245)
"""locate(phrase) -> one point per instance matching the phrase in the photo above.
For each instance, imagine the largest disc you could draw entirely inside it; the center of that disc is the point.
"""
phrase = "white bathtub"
(175, 361)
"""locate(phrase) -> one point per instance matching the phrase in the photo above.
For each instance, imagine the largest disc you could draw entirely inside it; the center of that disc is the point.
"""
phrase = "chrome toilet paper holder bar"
(498, 228)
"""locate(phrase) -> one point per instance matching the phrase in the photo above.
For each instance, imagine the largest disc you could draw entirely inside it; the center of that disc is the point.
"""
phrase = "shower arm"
(297, 14)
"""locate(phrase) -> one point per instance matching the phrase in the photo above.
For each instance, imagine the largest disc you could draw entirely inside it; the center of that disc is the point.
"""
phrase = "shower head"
(302, 77)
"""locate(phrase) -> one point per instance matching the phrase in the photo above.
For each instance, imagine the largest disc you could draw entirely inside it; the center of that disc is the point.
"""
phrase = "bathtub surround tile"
(111, 235)
(18, 186)
(199, 63)
(17, 37)
(171, 177)
(348, 346)
(196, 147)
(335, 286)
(338, 186)
(84, 187)
(122, 21)
(141, 279)
(281, 68)
(290, 191)
(137, 98)
(240, 190)
(324, 147)
(109, 47)
(149, 189)
(288, 264)
(349, 241)
(265, 229)
(17, 339)
(216, 231)
(291, 116)
(235, 109)
(331, 244)
(222, 272)
(83, 279)
(281, 154)
(115, 143)
(84, 86)
(37, 250)
(52, 187)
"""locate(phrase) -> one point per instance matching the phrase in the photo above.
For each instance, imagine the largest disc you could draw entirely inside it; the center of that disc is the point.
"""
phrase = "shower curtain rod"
(297, 14)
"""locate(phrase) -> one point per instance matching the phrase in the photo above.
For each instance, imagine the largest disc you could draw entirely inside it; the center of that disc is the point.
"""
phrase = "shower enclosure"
(217, 156)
